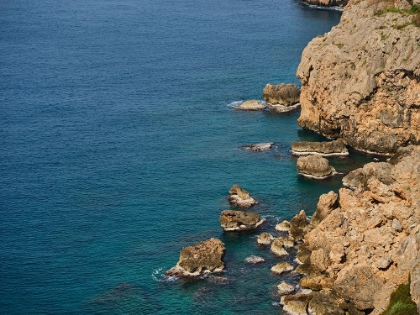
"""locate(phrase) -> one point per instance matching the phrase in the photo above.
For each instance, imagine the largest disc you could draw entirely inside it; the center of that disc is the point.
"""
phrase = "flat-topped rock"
(282, 94)
(281, 268)
(315, 166)
(200, 259)
(258, 146)
(332, 148)
(265, 238)
(250, 105)
(240, 197)
(232, 220)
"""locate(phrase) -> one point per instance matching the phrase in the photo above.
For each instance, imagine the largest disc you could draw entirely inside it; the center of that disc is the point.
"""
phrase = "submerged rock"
(281, 268)
(254, 259)
(200, 259)
(282, 94)
(240, 197)
(315, 166)
(232, 220)
(250, 105)
(258, 146)
(332, 148)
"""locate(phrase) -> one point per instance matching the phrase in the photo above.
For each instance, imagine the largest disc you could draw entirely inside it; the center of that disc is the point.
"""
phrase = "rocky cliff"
(361, 249)
(361, 81)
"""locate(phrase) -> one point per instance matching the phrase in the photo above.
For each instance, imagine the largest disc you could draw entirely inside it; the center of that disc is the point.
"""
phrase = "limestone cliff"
(361, 81)
(364, 248)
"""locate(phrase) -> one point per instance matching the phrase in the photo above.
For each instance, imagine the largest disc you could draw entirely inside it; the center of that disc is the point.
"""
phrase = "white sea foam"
(235, 103)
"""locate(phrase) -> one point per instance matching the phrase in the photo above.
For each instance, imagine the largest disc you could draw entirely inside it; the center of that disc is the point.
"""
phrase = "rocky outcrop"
(265, 238)
(361, 81)
(332, 148)
(250, 105)
(283, 226)
(240, 197)
(285, 289)
(361, 248)
(281, 268)
(315, 166)
(231, 220)
(200, 259)
(277, 247)
(258, 146)
(282, 94)
(298, 226)
(327, 3)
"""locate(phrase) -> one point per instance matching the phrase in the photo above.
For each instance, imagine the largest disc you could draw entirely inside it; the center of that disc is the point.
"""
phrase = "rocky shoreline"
(361, 244)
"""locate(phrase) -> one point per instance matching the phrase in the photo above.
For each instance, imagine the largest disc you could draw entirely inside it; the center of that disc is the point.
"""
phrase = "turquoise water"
(118, 148)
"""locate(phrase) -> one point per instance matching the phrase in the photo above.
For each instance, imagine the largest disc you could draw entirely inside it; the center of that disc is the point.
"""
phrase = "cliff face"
(367, 246)
(361, 81)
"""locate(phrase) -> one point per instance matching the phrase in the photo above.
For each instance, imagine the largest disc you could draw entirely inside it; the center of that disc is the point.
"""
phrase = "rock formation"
(200, 259)
(265, 238)
(250, 105)
(363, 247)
(281, 268)
(240, 197)
(283, 226)
(254, 259)
(258, 146)
(332, 148)
(361, 81)
(283, 94)
(285, 289)
(327, 3)
(277, 247)
(231, 220)
(314, 166)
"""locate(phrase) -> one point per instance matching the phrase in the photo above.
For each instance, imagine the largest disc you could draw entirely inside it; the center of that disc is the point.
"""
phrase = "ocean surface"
(118, 146)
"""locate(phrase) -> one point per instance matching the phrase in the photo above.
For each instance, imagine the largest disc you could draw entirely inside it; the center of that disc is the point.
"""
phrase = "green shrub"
(401, 303)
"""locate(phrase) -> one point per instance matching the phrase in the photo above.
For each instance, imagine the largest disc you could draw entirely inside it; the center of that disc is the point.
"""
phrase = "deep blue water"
(118, 148)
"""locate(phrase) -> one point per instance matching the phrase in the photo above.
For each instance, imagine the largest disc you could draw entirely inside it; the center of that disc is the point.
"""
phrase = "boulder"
(285, 289)
(250, 105)
(240, 197)
(283, 94)
(324, 303)
(265, 238)
(277, 247)
(200, 259)
(254, 259)
(283, 226)
(231, 220)
(258, 146)
(315, 166)
(298, 226)
(332, 148)
(281, 268)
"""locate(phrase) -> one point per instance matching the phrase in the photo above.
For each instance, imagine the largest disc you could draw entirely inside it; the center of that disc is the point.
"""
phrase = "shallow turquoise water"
(118, 148)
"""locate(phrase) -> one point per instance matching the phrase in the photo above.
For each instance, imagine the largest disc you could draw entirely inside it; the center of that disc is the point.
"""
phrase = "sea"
(119, 144)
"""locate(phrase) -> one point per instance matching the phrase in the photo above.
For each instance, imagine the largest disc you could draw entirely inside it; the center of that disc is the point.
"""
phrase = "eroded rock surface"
(282, 94)
(250, 105)
(361, 80)
(365, 245)
(200, 259)
(232, 220)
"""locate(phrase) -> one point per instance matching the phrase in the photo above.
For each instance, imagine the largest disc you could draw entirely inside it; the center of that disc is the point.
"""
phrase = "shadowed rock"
(298, 226)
